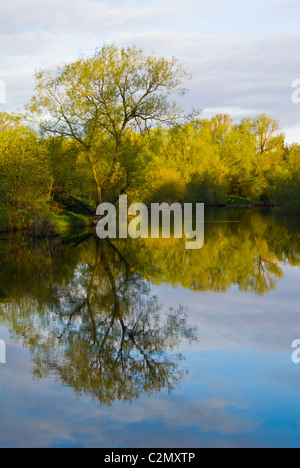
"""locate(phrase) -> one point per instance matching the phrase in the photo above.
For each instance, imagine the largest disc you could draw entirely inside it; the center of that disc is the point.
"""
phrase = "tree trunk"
(96, 179)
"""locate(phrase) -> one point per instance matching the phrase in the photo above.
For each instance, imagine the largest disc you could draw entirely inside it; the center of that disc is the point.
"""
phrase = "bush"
(24, 168)
(286, 194)
(204, 188)
(170, 187)
(5, 215)
(42, 227)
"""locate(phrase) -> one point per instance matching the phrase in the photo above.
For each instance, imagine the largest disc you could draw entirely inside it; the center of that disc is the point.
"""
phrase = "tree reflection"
(85, 310)
(103, 332)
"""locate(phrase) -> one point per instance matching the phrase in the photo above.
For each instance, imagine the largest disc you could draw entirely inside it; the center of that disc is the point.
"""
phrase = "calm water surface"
(145, 344)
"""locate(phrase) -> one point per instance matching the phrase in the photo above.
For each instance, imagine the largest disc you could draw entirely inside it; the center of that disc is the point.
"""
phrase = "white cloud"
(73, 16)
(233, 320)
(236, 113)
(239, 60)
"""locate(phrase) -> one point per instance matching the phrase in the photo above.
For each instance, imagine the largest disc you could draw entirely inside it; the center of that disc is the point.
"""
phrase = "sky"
(243, 56)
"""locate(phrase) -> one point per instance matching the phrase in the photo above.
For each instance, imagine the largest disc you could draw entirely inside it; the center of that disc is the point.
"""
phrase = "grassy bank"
(234, 200)
(65, 221)
(46, 223)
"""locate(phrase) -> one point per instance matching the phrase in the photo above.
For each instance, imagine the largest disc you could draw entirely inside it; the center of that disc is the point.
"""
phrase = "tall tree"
(104, 97)
(269, 140)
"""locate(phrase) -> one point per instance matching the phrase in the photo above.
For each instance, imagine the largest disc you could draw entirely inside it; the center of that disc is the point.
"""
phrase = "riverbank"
(79, 214)
(44, 224)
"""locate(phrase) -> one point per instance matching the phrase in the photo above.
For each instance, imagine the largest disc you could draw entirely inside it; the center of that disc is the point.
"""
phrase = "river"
(142, 343)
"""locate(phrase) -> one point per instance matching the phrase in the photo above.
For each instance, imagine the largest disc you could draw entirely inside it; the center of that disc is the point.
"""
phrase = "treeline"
(211, 160)
(217, 161)
(106, 125)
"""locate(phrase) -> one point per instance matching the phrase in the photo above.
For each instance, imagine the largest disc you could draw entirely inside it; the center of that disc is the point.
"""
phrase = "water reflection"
(85, 310)
(94, 321)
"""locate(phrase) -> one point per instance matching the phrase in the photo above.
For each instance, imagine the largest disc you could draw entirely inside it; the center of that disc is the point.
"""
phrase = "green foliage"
(205, 188)
(238, 201)
(42, 226)
(102, 121)
(97, 101)
(212, 158)
(24, 169)
(285, 194)
(5, 214)
(69, 171)
(169, 187)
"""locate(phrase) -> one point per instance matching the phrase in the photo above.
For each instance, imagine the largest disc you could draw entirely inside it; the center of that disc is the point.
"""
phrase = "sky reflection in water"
(95, 359)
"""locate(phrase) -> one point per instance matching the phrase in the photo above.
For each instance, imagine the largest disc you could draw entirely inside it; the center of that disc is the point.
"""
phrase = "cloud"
(73, 16)
(254, 75)
(233, 320)
(44, 414)
(239, 60)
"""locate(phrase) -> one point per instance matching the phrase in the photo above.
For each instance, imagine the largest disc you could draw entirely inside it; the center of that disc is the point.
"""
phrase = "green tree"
(103, 98)
(24, 168)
